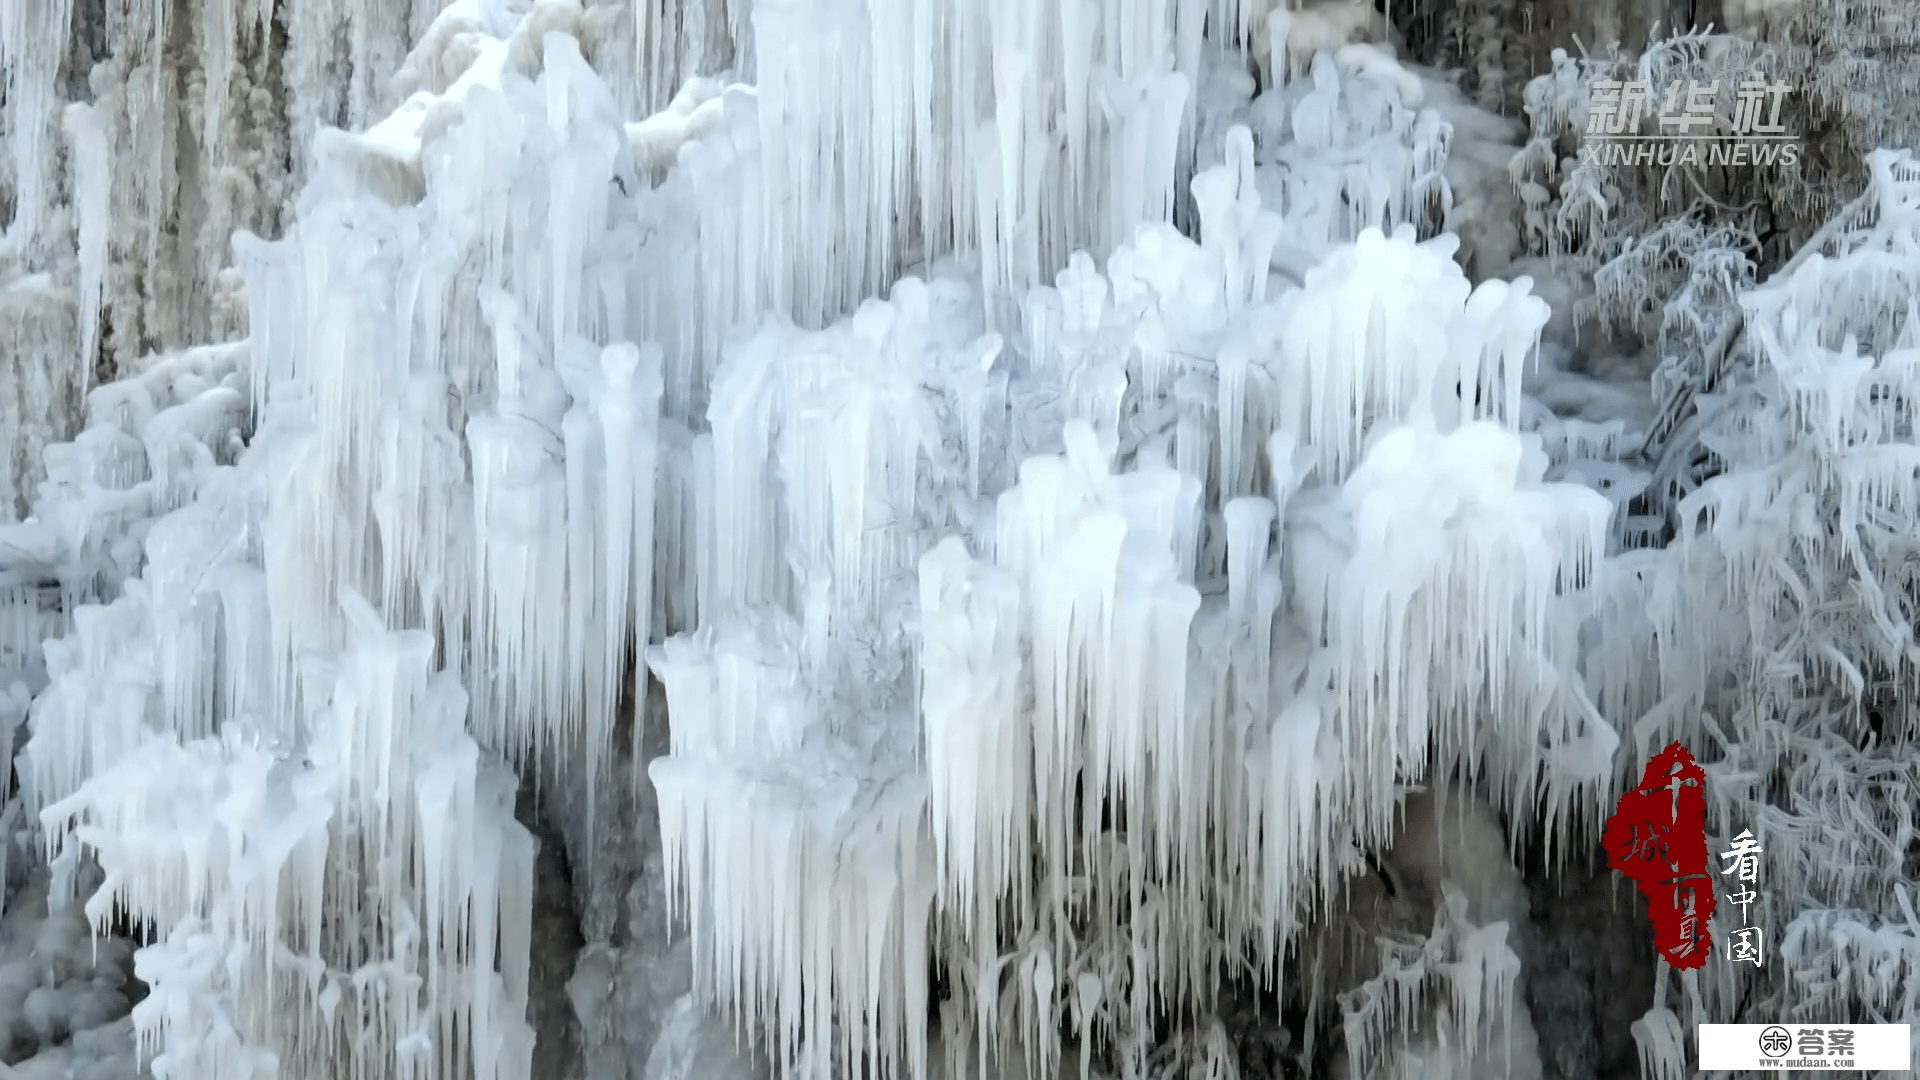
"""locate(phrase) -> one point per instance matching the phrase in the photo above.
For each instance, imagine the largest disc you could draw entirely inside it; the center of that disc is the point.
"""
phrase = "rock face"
(1590, 972)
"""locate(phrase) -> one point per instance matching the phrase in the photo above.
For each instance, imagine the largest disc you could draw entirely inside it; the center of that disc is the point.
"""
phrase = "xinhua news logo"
(1834, 1047)
(1689, 124)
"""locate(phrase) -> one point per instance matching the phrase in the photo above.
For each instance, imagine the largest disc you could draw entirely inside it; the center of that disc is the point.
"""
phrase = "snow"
(1300, 33)
(64, 993)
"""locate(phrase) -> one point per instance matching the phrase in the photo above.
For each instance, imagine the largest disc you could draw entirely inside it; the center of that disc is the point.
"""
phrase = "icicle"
(1248, 522)
(1661, 1042)
(1234, 225)
(33, 39)
(1354, 362)
(90, 138)
(219, 40)
(814, 886)
(1491, 586)
(970, 670)
(1143, 116)
(611, 451)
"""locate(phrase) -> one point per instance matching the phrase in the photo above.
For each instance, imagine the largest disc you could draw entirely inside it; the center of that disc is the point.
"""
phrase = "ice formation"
(1068, 501)
(1450, 849)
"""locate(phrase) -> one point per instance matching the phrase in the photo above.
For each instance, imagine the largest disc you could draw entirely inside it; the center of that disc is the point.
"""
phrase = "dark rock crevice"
(1591, 971)
(556, 944)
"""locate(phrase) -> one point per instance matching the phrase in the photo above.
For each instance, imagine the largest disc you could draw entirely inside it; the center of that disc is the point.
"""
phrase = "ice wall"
(494, 390)
(339, 885)
(140, 136)
(1146, 725)
(462, 350)
(1039, 642)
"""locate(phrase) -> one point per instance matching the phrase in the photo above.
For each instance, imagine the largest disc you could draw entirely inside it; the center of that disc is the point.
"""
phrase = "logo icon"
(1657, 836)
(1775, 1041)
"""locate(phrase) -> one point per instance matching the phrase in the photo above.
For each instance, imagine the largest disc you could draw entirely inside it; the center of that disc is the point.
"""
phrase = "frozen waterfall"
(995, 513)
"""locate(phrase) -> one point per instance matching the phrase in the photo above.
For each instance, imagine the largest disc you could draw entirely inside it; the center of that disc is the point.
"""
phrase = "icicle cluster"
(257, 863)
(1083, 782)
(376, 924)
(174, 130)
(1477, 972)
(791, 744)
(243, 834)
(1781, 619)
(802, 860)
(1082, 637)
(1101, 757)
